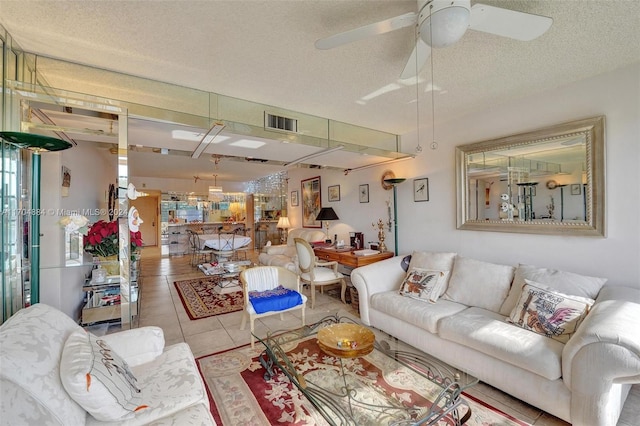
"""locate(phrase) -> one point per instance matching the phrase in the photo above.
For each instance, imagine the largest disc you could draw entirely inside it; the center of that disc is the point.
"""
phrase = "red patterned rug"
(239, 393)
(200, 299)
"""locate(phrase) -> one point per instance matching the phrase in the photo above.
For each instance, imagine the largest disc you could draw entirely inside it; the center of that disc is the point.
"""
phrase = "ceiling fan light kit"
(444, 23)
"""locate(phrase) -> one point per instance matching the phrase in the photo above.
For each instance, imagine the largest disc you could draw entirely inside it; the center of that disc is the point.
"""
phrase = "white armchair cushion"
(98, 379)
(137, 346)
(321, 274)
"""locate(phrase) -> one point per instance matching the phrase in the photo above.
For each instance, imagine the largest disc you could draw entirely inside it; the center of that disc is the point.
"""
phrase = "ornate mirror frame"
(589, 132)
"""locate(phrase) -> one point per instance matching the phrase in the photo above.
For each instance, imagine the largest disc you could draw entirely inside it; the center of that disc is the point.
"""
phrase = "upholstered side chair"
(314, 272)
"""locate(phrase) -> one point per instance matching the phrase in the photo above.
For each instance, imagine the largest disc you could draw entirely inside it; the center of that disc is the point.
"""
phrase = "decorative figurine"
(382, 247)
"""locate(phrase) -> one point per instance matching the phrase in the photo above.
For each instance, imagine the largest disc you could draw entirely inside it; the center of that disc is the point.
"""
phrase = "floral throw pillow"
(423, 284)
(98, 379)
(548, 312)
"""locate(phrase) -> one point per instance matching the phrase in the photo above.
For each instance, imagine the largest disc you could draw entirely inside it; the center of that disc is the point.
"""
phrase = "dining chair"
(225, 250)
(270, 290)
(314, 272)
(198, 253)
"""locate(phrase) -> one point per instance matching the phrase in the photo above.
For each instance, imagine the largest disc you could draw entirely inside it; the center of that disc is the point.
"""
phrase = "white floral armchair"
(285, 254)
(32, 372)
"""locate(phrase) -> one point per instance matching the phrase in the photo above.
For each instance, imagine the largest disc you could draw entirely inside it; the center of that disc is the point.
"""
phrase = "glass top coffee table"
(353, 383)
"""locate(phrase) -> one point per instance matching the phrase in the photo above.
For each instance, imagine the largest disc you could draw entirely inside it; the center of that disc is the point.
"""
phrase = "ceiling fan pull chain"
(434, 144)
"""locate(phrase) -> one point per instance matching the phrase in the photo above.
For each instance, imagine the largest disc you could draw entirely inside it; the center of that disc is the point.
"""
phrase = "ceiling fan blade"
(417, 59)
(360, 33)
(508, 23)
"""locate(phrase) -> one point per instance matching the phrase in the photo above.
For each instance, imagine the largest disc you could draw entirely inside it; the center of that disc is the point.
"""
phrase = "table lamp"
(37, 144)
(283, 223)
(326, 214)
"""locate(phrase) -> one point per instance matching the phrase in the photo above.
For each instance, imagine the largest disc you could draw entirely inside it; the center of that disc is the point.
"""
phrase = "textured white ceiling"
(264, 51)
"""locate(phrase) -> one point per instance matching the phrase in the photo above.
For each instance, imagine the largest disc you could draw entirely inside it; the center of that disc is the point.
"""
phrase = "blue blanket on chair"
(277, 299)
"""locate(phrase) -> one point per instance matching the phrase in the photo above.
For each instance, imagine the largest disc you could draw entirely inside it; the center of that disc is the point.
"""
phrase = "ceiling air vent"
(277, 122)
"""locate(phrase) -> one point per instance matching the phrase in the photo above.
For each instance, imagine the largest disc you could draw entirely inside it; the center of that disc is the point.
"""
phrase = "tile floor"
(160, 305)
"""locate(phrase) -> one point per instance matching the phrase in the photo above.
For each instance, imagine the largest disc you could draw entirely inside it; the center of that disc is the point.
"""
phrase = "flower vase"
(111, 264)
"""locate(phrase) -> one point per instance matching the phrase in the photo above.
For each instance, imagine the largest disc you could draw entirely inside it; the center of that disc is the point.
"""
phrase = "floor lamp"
(395, 182)
(36, 144)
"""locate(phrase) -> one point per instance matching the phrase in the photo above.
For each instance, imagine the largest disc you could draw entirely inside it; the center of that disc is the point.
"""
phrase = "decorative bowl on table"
(346, 340)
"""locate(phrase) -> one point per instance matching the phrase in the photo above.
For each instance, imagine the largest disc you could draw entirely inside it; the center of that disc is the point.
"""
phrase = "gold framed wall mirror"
(548, 181)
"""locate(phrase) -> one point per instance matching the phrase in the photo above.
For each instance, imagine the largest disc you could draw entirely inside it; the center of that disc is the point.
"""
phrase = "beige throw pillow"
(548, 312)
(477, 283)
(565, 282)
(423, 284)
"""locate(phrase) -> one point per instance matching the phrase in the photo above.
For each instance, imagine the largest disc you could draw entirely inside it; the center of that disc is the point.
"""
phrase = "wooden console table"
(348, 259)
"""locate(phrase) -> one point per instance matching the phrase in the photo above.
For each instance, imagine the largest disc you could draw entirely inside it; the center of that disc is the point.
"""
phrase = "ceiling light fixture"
(207, 139)
(317, 154)
(395, 160)
(215, 191)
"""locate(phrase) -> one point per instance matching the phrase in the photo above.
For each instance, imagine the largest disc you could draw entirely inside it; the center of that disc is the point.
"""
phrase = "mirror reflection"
(547, 181)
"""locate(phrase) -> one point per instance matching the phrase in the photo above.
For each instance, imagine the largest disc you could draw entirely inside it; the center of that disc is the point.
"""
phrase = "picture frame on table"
(421, 190)
(363, 193)
(311, 202)
(334, 193)
(294, 199)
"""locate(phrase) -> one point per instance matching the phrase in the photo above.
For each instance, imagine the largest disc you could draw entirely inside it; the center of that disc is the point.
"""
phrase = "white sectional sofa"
(52, 372)
(582, 376)
(285, 254)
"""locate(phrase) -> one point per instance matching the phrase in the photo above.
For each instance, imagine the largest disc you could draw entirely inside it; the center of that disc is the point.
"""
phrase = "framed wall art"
(575, 189)
(363, 193)
(311, 202)
(294, 199)
(421, 189)
(334, 193)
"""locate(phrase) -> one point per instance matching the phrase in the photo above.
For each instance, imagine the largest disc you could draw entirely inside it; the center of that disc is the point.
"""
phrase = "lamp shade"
(283, 223)
(327, 213)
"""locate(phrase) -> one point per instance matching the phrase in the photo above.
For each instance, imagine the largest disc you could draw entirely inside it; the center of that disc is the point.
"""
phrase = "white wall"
(432, 225)
(91, 173)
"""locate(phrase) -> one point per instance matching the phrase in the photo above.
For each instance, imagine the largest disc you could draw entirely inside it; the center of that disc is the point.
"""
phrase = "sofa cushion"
(477, 283)
(548, 312)
(423, 284)
(565, 282)
(98, 379)
(436, 261)
(171, 383)
(414, 311)
(487, 332)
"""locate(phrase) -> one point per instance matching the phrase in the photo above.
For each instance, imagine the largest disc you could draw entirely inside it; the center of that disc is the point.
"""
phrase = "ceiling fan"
(441, 23)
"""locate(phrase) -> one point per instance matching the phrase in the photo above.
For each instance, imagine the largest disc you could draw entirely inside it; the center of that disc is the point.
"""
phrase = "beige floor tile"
(190, 328)
(209, 342)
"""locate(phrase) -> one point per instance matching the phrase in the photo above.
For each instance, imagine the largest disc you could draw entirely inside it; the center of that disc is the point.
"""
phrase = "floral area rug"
(240, 394)
(200, 299)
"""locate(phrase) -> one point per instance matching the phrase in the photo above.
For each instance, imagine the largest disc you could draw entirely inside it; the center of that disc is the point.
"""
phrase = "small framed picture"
(363, 193)
(575, 189)
(421, 189)
(294, 198)
(334, 193)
